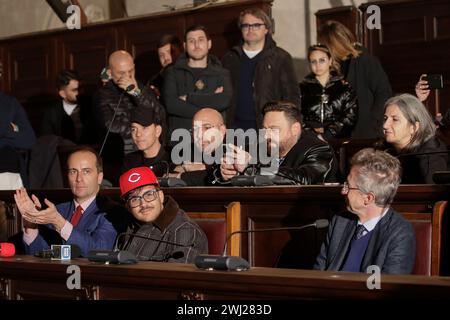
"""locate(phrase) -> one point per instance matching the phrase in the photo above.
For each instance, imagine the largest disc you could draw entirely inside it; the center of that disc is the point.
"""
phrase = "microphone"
(171, 182)
(166, 181)
(116, 244)
(7, 250)
(60, 252)
(233, 263)
(130, 88)
(251, 181)
(122, 256)
(127, 89)
(108, 256)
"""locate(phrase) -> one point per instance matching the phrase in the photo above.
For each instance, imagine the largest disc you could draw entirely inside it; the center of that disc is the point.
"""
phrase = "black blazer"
(392, 246)
(57, 122)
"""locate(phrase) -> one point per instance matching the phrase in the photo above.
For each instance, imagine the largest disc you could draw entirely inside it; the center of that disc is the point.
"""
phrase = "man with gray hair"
(371, 232)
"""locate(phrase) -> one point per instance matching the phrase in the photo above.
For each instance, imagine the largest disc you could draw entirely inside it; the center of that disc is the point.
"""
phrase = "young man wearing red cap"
(160, 230)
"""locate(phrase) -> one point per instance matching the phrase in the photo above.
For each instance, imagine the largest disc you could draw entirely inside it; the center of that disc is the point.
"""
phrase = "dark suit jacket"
(94, 231)
(57, 122)
(392, 246)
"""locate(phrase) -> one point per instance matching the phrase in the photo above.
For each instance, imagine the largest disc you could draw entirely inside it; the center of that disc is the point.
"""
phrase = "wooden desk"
(265, 207)
(25, 277)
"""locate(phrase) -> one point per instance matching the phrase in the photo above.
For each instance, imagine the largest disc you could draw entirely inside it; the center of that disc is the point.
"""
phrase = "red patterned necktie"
(76, 216)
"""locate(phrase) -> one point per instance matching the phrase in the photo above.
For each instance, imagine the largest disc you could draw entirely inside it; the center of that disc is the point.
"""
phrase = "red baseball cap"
(135, 178)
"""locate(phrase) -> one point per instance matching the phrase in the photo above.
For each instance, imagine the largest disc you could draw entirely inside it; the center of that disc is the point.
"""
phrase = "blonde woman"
(364, 73)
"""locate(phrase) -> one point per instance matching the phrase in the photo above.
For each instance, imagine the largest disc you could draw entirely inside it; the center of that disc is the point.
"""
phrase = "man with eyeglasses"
(196, 80)
(79, 222)
(261, 72)
(208, 133)
(160, 230)
(371, 232)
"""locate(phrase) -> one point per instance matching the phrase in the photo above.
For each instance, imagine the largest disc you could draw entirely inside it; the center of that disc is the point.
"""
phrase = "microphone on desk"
(117, 256)
(171, 182)
(127, 89)
(7, 250)
(233, 263)
(116, 244)
(251, 181)
(263, 180)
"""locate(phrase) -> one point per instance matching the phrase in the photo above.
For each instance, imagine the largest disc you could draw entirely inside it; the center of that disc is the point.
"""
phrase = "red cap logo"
(135, 178)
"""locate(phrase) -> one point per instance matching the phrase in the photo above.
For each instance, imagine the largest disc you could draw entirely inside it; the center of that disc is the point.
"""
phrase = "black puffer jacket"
(274, 78)
(338, 114)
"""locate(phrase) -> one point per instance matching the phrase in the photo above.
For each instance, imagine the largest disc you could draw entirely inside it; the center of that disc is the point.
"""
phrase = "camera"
(434, 81)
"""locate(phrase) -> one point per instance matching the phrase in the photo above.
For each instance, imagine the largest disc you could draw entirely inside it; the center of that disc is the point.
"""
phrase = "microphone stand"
(116, 244)
(233, 263)
(128, 89)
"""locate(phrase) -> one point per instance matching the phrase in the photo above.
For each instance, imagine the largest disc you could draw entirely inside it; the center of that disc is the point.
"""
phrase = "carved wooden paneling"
(87, 51)
(3, 75)
(31, 72)
(141, 39)
(31, 62)
(31, 66)
(347, 15)
(281, 248)
(413, 38)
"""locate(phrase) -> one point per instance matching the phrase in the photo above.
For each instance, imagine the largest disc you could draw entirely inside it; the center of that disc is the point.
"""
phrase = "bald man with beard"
(122, 73)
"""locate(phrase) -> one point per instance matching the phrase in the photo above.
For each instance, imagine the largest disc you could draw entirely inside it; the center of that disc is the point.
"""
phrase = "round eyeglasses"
(136, 201)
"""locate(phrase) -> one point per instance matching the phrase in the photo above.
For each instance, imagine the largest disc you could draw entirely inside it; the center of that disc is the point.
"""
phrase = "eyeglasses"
(254, 26)
(346, 188)
(204, 127)
(136, 201)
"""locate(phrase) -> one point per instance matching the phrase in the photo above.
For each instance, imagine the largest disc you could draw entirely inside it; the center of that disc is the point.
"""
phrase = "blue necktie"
(360, 230)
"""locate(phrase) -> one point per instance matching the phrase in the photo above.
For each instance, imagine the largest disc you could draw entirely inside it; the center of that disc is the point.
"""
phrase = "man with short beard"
(196, 80)
(169, 234)
(302, 157)
(69, 117)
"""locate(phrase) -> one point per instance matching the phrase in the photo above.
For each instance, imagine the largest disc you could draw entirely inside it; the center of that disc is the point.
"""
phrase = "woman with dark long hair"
(329, 105)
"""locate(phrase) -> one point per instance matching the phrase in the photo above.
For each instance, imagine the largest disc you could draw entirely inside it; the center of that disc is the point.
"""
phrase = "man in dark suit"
(80, 222)
(371, 233)
(69, 118)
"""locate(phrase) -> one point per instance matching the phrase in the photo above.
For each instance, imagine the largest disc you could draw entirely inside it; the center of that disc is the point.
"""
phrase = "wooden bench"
(430, 238)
